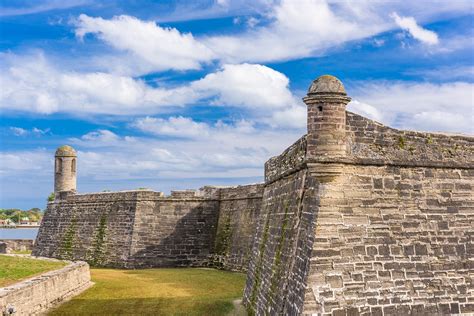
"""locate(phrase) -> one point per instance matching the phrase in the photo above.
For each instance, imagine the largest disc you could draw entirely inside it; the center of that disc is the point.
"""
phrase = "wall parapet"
(370, 142)
(291, 160)
(205, 193)
(36, 295)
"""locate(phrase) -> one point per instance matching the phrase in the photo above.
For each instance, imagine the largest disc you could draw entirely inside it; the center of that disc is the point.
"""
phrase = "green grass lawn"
(21, 252)
(14, 269)
(183, 291)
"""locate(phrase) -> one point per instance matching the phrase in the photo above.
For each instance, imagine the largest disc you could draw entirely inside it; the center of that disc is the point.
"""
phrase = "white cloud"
(173, 126)
(288, 30)
(445, 72)
(18, 131)
(409, 24)
(418, 106)
(297, 29)
(185, 127)
(102, 136)
(14, 163)
(246, 85)
(162, 48)
(366, 110)
(44, 6)
(292, 117)
(39, 131)
(32, 84)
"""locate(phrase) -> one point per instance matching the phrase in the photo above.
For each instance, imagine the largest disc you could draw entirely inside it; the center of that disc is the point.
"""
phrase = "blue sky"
(179, 94)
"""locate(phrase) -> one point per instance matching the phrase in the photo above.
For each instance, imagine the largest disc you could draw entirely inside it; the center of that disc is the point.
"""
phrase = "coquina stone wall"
(396, 240)
(37, 295)
(354, 218)
(138, 229)
(96, 228)
(175, 231)
(390, 235)
(12, 245)
(239, 213)
(275, 281)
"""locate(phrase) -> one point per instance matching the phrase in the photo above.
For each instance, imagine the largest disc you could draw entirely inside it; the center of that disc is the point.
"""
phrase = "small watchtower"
(65, 170)
(326, 142)
(327, 101)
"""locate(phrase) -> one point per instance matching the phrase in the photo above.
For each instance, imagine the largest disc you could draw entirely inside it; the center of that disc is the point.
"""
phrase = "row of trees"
(16, 215)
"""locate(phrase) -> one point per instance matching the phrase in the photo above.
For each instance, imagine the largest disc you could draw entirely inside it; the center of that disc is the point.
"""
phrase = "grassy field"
(14, 269)
(21, 252)
(157, 292)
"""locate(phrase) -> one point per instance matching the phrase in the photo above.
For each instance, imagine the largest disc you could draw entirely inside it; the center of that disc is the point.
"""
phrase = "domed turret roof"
(65, 151)
(327, 84)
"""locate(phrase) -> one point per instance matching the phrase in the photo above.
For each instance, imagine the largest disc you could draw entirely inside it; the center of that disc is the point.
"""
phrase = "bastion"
(354, 218)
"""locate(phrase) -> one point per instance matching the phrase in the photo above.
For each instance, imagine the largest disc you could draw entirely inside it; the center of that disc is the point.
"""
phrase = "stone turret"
(326, 101)
(65, 170)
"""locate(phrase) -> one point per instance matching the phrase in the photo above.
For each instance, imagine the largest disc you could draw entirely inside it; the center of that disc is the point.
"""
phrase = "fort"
(354, 218)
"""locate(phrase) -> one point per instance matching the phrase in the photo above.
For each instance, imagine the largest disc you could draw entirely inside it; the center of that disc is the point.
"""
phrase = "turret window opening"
(59, 165)
(73, 165)
(320, 108)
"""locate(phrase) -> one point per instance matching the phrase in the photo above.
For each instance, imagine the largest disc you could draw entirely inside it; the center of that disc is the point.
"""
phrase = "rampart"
(390, 235)
(137, 229)
(354, 218)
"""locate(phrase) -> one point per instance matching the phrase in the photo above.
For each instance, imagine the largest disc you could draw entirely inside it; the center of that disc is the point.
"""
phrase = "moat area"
(158, 292)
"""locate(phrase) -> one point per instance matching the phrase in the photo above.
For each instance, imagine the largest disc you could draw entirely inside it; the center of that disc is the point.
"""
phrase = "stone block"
(334, 281)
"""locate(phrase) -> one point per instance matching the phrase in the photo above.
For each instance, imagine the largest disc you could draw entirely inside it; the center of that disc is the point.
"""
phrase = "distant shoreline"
(20, 226)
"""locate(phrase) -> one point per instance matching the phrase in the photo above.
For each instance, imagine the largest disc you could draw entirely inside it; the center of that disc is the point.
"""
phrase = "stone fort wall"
(354, 218)
(392, 234)
(138, 229)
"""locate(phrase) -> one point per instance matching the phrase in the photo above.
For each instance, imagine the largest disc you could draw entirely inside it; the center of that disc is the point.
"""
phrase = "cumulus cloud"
(163, 48)
(297, 29)
(409, 24)
(294, 29)
(288, 30)
(418, 106)
(256, 88)
(246, 85)
(32, 84)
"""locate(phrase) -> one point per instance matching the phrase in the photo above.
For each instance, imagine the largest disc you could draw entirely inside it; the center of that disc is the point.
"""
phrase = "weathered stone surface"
(11, 245)
(65, 170)
(239, 213)
(393, 220)
(135, 229)
(38, 294)
(355, 218)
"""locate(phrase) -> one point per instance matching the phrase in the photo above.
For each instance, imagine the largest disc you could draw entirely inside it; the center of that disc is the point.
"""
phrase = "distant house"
(6, 222)
(24, 221)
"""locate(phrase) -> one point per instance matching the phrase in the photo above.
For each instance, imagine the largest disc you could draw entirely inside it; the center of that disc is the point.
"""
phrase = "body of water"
(18, 233)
